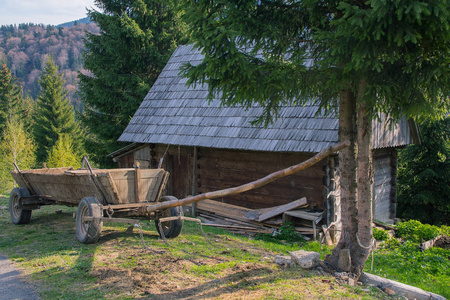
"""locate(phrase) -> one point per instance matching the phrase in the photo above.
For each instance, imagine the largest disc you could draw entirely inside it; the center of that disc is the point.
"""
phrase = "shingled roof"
(173, 113)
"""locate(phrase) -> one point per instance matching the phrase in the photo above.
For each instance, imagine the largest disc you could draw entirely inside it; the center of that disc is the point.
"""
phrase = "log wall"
(219, 169)
(384, 189)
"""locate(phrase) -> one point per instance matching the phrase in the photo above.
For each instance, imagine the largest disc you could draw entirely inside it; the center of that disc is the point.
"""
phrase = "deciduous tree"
(62, 154)
(16, 146)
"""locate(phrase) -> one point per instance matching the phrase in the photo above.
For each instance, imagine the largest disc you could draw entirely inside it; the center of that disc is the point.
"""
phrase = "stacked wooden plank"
(244, 220)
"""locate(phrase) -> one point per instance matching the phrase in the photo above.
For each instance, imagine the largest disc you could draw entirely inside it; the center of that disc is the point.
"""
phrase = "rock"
(351, 282)
(284, 260)
(344, 277)
(305, 259)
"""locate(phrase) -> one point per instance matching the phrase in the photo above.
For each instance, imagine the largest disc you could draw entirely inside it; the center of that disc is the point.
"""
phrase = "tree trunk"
(365, 184)
(356, 178)
(347, 171)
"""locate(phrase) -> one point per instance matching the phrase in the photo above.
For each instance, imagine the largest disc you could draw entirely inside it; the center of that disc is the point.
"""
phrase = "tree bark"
(347, 173)
(365, 183)
(356, 175)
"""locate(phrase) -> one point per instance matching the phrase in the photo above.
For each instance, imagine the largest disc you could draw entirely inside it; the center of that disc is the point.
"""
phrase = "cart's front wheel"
(170, 229)
(88, 232)
(18, 215)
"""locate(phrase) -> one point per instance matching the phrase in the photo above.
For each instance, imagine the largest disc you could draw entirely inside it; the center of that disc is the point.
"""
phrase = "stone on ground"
(305, 259)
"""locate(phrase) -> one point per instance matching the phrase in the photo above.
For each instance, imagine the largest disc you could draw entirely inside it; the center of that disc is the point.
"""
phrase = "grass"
(118, 266)
(405, 262)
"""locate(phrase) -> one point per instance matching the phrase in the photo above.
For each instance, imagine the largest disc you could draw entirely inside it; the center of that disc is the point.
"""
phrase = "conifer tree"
(136, 40)
(10, 95)
(424, 176)
(54, 115)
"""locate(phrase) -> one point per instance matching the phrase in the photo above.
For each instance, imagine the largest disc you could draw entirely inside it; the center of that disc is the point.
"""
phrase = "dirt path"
(11, 284)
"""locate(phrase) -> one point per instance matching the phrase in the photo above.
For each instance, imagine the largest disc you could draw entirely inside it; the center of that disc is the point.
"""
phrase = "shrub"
(417, 232)
(285, 233)
(380, 234)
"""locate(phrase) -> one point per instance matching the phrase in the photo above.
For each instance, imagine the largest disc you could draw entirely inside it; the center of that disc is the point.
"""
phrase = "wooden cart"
(112, 195)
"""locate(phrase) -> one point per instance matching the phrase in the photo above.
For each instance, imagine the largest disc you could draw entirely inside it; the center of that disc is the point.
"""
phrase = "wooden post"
(194, 181)
(137, 181)
(328, 190)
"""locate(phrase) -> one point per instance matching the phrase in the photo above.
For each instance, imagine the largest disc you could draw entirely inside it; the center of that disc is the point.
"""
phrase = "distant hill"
(26, 48)
(86, 20)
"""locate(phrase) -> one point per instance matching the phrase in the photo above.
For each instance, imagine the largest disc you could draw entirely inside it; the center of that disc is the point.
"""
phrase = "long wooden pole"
(251, 185)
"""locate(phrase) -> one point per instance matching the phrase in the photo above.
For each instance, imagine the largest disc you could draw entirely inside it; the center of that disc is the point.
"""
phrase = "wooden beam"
(194, 180)
(278, 210)
(137, 181)
(252, 185)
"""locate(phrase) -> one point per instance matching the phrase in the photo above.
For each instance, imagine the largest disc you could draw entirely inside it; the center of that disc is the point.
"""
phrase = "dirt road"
(12, 287)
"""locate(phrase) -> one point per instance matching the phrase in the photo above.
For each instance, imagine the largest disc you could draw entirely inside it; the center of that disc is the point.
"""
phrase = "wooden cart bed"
(120, 186)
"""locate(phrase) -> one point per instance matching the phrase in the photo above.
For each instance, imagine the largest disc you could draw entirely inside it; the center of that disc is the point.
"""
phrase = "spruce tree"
(54, 114)
(136, 40)
(10, 95)
(424, 176)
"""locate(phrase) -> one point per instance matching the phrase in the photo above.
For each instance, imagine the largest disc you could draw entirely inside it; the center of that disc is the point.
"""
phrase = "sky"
(48, 12)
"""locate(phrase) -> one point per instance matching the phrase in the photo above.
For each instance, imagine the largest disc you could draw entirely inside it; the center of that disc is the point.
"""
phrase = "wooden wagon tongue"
(251, 185)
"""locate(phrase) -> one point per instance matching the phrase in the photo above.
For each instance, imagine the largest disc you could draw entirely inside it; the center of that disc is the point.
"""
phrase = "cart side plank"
(70, 186)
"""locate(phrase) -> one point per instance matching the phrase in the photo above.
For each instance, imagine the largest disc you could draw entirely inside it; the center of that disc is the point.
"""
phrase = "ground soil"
(150, 274)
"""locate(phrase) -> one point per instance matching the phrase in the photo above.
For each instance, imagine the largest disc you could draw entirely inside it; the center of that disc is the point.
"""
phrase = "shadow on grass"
(218, 288)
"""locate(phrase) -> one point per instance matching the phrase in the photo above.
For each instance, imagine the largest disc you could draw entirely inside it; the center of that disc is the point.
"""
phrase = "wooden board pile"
(244, 220)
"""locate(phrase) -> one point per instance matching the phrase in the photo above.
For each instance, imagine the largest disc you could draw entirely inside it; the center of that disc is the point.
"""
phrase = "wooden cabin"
(207, 147)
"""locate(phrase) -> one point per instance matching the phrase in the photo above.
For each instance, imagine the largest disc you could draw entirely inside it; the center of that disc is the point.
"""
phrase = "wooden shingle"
(173, 113)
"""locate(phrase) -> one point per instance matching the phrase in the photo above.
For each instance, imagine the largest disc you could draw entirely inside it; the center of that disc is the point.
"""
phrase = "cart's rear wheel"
(18, 215)
(170, 229)
(88, 232)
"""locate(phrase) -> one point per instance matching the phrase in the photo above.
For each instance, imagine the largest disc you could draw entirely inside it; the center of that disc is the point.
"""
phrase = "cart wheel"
(171, 229)
(88, 232)
(18, 215)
